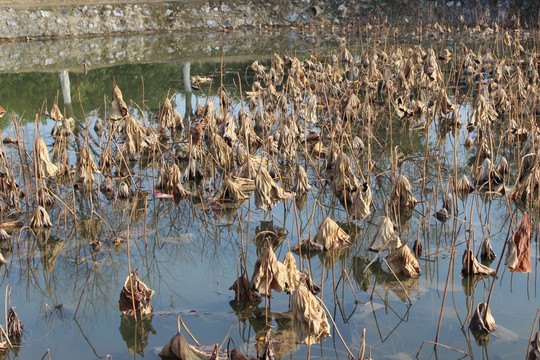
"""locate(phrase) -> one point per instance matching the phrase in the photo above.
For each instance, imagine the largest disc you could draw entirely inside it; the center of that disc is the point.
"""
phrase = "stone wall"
(30, 22)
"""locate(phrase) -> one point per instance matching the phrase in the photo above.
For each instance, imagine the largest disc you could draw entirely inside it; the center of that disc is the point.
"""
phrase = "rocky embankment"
(71, 19)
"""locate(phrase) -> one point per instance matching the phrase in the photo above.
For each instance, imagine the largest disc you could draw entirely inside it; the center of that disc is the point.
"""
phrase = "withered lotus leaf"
(269, 274)
(267, 191)
(137, 301)
(179, 349)
(482, 321)
(331, 236)
(385, 237)
(14, 326)
(41, 218)
(119, 107)
(403, 262)
(232, 190)
(401, 193)
(56, 114)
(362, 199)
(464, 187)
(293, 275)
(471, 266)
(44, 166)
(534, 353)
(486, 251)
(310, 321)
(243, 290)
(518, 257)
(301, 181)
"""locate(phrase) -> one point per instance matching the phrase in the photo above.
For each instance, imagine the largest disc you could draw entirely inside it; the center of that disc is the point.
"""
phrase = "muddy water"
(66, 294)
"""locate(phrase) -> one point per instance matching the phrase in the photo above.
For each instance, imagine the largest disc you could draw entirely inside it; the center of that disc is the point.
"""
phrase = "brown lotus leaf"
(56, 114)
(471, 266)
(85, 167)
(4, 236)
(123, 191)
(45, 197)
(344, 179)
(137, 301)
(165, 115)
(269, 274)
(518, 257)
(293, 275)
(401, 193)
(385, 237)
(534, 353)
(243, 290)
(310, 321)
(484, 113)
(171, 181)
(362, 199)
(486, 251)
(14, 326)
(221, 152)
(464, 187)
(179, 349)
(331, 236)
(233, 189)
(488, 174)
(267, 191)
(118, 107)
(482, 321)
(40, 219)
(301, 184)
(403, 262)
(107, 186)
(44, 166)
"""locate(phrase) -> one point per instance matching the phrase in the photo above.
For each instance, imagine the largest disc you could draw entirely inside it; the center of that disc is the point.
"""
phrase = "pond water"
(66, 294)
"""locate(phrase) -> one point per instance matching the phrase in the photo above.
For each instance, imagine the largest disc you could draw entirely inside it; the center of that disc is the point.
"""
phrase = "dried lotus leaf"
(269, 274)
(486, 251)
(123, 191)
(471, 266)
(138, 301)
(310, 321)
(464, 187)
(267, 191)
(301, 185)
(44, 166)
(232, 191)
(518, 257)
(482, 322)
(344, 178)
(243, 290)
(118, 107)
(385, 237)
(293, 275)
(179, 349)
(401, 193)
(40, 219)
(14, 326)
(534, 353)
(331, 236)
(362, 199)
(403, 262)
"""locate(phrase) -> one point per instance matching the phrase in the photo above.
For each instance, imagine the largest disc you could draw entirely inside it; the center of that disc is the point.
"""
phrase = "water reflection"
(135, 333)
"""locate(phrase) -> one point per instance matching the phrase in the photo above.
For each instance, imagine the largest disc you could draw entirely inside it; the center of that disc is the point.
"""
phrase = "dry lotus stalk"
(269, 274)
(267, 191)
(486, 251)
(310, 321)
(362, 199)
(403, 262)
(471, 266)
(464, 187)
(40, 219)
(14, 326)
(301, 181)
(138, 301)
(293, 275)
(44, 166)
(385, 237)
(518, 257)
(243, 290)
(118, 106)
(401, 193)
(331, 236)
(179, 349)
(482, 322)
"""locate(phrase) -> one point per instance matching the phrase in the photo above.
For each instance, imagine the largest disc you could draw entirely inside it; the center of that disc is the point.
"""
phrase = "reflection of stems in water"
(85, 338)
(401, 319)
(399, 282)
(335, 326)
(445, 346)
(82, 293)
